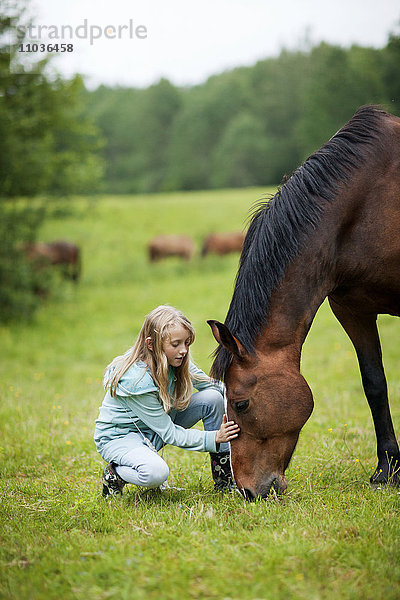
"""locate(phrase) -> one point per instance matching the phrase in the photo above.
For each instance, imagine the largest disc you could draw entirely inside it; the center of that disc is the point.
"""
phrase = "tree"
(21, 285)
(338, 83)
(162, 103)
(46, 144)
(391, 72)
(206, 111)
(241, 156)
(276, 85)
(137, 126)
(46, 147)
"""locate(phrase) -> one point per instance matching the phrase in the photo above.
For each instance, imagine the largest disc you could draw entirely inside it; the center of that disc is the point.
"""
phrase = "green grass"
(331, 536)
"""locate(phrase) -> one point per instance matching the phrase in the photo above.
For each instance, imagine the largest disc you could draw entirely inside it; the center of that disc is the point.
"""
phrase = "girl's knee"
(210, 396)
(153, 475)
(215, 401)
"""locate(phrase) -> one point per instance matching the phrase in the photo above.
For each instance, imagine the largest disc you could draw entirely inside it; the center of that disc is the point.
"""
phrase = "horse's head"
(270, 401)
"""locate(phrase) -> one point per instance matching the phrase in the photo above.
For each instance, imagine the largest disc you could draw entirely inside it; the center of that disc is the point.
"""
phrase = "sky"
(136, 43)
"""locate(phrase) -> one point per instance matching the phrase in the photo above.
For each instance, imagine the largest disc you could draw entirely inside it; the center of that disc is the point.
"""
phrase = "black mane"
(280, 225)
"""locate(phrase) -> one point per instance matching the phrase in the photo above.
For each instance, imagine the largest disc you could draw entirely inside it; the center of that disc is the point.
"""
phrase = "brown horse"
(331, 231)
(170, 245)
(223, 243)
(57, 253)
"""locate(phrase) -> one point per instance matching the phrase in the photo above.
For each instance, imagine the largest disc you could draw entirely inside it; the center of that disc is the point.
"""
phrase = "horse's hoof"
(379, 484)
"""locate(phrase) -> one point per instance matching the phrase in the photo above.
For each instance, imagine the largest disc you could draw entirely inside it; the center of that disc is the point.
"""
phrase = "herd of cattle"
(184, 247)
(68, 255)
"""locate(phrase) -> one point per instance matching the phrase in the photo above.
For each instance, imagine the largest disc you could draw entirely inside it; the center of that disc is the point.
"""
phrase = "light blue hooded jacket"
(137, 406)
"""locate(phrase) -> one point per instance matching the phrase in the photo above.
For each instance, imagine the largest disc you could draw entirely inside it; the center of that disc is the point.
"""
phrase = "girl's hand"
(227, 432)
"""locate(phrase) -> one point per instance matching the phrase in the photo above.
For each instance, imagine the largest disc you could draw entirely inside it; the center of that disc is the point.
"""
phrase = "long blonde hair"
(156, 326)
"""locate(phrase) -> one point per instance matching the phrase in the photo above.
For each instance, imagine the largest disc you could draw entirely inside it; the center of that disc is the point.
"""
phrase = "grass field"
(331, 536)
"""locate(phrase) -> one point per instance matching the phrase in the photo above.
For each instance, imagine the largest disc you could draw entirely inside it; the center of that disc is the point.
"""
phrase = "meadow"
(330, 536)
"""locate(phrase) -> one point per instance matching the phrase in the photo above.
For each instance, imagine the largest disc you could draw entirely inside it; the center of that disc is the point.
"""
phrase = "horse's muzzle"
(276, 485)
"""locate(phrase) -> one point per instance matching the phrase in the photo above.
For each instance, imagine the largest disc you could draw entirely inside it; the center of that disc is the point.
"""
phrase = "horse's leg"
(76, 266)
(363, 332)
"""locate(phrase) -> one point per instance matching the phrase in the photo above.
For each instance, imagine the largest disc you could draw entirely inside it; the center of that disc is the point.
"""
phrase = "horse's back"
(223, 243)
(63, 252)
(368, 240)
(162, 246)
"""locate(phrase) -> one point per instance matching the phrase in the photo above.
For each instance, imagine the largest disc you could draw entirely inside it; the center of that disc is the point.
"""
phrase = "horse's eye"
(241, 406)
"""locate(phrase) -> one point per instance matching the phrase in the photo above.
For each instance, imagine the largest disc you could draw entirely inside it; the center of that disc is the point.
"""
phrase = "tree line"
(249, 126)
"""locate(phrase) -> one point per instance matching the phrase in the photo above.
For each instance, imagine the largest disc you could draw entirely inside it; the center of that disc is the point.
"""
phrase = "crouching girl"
(149, 403)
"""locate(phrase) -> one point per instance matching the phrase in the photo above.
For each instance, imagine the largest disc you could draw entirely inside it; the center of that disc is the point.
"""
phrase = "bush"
(22, 284)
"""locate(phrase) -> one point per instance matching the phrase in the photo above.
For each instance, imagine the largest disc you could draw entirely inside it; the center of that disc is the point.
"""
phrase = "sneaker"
(112, 482)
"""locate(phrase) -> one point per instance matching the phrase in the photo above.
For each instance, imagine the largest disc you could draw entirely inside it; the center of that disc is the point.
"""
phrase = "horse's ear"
(226, 339)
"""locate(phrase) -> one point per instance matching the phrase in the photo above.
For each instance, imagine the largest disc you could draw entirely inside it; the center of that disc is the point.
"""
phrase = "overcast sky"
(188, 41)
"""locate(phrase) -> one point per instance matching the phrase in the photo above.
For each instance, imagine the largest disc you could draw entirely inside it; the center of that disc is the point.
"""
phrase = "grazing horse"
(332, 230)
(223, 243)
(57, 253)
(170, 245)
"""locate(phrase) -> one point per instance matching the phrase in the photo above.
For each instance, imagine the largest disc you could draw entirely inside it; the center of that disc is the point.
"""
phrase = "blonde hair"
(156, 326)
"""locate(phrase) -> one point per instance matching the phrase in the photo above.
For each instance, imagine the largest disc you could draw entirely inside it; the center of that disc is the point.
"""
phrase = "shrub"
(22, 283)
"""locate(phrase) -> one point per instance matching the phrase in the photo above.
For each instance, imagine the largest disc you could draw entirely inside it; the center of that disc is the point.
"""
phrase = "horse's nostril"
(277, 487)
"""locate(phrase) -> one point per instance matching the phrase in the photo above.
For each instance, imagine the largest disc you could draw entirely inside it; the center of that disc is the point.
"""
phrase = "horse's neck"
(305, 285)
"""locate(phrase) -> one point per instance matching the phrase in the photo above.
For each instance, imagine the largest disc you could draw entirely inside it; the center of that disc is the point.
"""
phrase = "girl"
(149, 403)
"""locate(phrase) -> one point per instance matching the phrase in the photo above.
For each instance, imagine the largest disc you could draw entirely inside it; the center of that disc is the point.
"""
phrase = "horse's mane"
(280, 225)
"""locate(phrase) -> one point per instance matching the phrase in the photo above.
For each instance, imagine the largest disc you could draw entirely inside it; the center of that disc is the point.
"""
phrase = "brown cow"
(223, 243)
(59, 252)
(170, 245)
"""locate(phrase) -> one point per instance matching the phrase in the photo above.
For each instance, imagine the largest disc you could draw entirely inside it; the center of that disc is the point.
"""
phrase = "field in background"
(330, 537)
